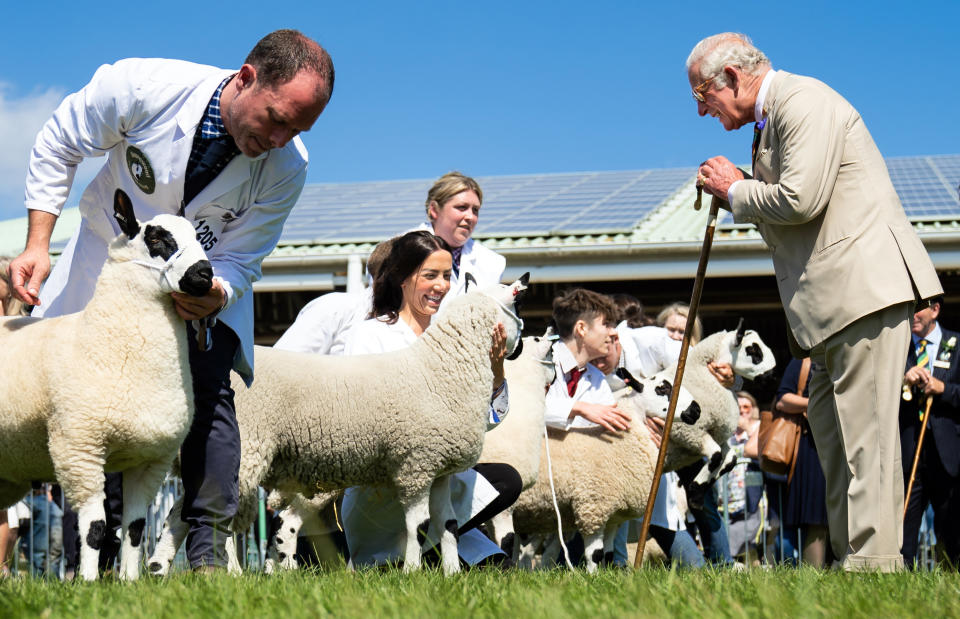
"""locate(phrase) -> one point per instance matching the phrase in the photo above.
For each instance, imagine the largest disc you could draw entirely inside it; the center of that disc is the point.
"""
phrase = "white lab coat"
(484, 264)
(647, 350)
(323, 325)
(153, 107)
(372, 517)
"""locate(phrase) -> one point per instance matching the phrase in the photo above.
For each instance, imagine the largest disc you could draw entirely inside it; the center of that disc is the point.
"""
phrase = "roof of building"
(561, 217)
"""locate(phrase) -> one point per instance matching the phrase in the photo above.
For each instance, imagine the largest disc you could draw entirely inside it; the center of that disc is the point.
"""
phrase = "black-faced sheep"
(108, 388)
(707, 436)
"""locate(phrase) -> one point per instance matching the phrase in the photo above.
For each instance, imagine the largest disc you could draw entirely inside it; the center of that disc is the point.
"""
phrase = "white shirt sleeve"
(499, 407)
(87, 123)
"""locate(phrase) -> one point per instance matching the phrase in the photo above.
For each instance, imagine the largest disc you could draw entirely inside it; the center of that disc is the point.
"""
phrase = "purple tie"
(757, 130)
(456, 259)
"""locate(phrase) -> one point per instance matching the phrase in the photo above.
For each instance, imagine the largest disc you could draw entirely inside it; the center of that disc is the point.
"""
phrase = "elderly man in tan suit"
(849, 268)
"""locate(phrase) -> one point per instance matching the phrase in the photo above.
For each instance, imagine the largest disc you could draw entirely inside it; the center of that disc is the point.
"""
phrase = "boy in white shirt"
(579, 397)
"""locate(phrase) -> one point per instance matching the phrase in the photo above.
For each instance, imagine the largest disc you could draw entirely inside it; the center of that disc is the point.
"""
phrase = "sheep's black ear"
(525, 278)
(741, 330)
(123, 213)
(471, 281)
(624, 375)
(516, 351)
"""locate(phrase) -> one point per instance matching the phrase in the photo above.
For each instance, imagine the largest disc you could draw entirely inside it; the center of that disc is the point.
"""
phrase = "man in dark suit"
(932, 370)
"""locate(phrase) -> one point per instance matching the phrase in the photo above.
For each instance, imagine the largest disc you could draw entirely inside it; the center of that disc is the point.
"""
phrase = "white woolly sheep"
(601, 481)
(405, 420)
(594, 498)
(108, 388)
(517, 440)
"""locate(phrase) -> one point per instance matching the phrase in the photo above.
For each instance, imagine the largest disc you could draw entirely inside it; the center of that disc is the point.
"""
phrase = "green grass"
(611, 593)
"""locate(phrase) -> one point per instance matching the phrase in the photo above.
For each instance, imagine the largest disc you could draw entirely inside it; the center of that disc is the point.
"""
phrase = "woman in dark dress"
(806, 504)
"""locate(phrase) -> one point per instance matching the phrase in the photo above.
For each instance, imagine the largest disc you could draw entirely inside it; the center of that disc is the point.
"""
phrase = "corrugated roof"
(558, 212)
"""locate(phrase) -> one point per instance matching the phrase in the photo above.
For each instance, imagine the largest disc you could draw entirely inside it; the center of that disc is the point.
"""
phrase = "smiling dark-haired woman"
(407, 292)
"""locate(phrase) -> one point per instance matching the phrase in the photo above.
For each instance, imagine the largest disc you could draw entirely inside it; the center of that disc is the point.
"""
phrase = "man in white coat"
(218, 147)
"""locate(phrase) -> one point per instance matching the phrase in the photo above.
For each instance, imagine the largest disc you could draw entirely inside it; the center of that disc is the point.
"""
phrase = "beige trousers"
(853, 413)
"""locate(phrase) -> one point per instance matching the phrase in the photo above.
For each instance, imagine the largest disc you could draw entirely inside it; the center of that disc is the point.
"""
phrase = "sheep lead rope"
(553, 495)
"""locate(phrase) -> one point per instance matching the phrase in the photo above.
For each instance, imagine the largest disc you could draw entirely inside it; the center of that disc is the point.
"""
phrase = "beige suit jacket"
(823, 202)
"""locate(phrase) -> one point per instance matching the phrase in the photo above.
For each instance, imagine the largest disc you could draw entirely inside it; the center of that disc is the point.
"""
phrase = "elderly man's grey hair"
(714, 53)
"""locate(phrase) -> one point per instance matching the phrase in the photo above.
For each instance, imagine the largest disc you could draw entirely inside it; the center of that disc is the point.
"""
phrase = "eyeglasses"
(702, 88)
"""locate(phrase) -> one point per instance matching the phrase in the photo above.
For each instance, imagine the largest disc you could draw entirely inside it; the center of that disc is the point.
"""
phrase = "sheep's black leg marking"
(597, 556)
(96, 534)
(608, 558)
(277, 541)
(664, 389)
(728, 467)
(451, 526)
(715, 461)
(135, 531)
(506, 544)
(695, 495)
(154, 567)
(293, 530)
(691, 414)
(282, 556)
(756, 354)
(422, 531)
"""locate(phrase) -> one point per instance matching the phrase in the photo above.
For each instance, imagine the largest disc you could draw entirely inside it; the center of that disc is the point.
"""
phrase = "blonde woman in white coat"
(453, 210)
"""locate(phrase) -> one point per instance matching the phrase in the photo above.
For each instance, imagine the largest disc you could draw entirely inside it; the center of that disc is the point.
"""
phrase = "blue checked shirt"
(213, 149)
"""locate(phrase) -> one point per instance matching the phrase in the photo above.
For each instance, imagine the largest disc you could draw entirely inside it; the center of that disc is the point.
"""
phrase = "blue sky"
(503, 87)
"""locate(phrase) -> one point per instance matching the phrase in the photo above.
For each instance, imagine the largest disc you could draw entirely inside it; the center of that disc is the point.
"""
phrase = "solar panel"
(927, 186)
(566, 203)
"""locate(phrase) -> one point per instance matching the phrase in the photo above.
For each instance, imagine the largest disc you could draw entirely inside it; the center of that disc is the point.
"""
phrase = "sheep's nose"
(198, 279)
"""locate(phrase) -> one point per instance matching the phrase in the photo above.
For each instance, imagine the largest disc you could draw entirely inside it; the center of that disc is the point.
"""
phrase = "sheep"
(595, 498)
(707, 437)
(601, 481)
(313, 423)
(516, 441)
(107, 388)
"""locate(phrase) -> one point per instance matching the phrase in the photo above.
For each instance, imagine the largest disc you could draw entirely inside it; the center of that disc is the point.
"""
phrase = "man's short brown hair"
(282, 54)
(581, 304)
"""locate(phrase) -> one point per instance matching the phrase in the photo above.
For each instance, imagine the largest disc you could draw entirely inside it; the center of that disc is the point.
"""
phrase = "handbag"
(779, 435)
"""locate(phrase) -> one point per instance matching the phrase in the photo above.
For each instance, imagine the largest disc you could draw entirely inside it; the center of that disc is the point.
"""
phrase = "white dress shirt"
(591, 388)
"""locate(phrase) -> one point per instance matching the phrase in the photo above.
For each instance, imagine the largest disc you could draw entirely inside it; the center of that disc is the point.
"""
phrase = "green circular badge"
(140, 170)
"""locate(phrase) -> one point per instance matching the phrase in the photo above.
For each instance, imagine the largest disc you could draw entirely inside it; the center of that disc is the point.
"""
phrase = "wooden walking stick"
(681, 364)
(916, 456)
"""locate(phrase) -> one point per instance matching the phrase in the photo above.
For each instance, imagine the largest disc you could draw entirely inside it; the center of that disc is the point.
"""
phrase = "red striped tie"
(572, 381)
